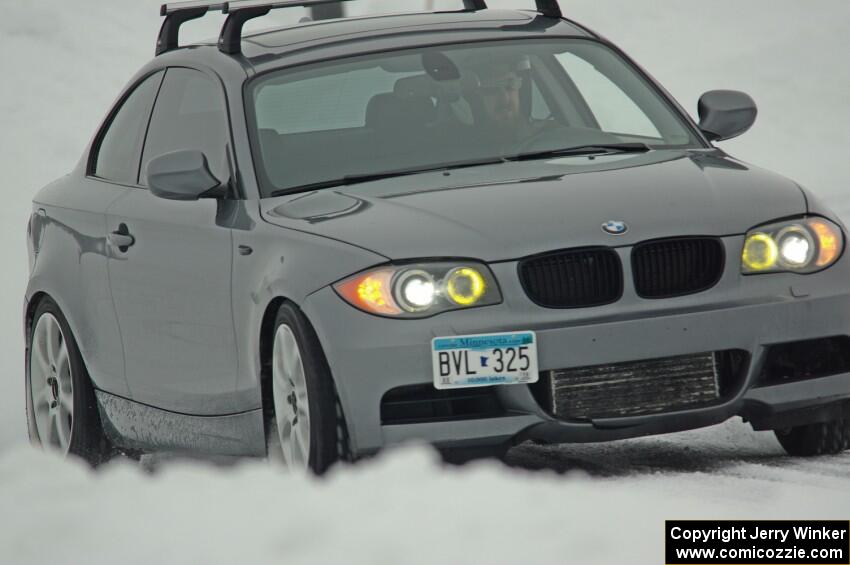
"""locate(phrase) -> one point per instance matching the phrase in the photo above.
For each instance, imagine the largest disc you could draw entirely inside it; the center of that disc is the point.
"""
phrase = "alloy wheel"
(292, 410)
(51, 385)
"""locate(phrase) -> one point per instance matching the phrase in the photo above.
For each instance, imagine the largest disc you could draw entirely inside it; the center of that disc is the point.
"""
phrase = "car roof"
(329, 39)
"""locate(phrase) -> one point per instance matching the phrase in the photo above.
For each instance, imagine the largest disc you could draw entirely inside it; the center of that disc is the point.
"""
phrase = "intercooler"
(631, 389)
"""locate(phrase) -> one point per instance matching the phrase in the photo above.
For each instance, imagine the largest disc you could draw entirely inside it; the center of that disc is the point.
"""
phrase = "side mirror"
(724, 114)
(182, 175)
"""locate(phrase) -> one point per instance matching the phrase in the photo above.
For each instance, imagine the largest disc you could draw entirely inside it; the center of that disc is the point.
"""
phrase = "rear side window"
(117, 157)
(189, 115)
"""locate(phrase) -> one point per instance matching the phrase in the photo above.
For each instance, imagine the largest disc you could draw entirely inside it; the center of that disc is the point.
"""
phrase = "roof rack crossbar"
(549, 8)
(475, 4)
(240, 11)
(177, 14)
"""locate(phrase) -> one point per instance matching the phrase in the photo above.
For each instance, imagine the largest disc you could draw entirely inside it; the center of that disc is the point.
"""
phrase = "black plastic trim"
(619, 264)
(175, 16)
(474, 5)
(550, 8)
(707, 286)
(230, 40)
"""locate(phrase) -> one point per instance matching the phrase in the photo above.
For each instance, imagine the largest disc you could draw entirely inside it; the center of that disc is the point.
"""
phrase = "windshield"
(413, 110)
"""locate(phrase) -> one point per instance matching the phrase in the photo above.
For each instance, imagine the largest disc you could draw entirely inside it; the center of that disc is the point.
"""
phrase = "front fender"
(282, 264)
(815, 205)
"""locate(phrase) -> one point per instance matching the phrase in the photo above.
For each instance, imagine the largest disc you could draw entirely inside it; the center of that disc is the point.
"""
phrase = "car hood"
(512, 210)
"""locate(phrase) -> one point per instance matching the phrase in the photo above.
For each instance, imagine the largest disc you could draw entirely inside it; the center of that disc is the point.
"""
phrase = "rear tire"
(307, 429)
(811, 440)
(62, 413)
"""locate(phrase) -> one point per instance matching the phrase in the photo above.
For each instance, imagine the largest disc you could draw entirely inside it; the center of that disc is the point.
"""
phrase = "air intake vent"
(676, 267)
(809, 359)
(419, 404)
(633, 389)
(573, 278)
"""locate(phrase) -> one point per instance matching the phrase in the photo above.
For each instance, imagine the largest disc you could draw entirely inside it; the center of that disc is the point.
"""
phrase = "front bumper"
(369, 355)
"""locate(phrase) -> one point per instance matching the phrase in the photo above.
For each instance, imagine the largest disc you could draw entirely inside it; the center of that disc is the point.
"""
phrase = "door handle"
(121, 238)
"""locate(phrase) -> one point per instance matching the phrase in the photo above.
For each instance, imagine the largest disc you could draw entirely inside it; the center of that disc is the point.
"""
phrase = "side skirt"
(135, 426)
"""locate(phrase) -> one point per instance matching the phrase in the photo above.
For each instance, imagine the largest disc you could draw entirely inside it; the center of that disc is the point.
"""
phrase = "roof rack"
(474, 4)
(550, 8)
(241, 11)
(178, 14)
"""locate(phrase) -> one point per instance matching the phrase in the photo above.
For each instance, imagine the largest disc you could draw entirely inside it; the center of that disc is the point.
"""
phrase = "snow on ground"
(406, 508)
(62, 65)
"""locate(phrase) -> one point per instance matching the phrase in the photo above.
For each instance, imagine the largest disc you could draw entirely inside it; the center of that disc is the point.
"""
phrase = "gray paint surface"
(71, 266)
(172, 298)
(512, 210)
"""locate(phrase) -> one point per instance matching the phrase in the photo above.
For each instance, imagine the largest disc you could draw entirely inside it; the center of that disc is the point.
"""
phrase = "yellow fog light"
(465, 286)
(760, 252)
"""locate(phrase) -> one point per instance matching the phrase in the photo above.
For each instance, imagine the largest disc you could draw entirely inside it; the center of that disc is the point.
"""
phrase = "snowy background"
(63, 62)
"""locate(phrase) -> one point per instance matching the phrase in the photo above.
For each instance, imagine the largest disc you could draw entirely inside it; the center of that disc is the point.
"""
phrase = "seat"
(394, 115)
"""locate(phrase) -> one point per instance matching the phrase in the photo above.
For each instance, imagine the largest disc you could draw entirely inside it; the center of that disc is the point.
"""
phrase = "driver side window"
(117, 154)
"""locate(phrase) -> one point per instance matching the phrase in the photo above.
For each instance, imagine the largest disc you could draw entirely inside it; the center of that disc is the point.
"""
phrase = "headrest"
(389, 110)
(419, 86)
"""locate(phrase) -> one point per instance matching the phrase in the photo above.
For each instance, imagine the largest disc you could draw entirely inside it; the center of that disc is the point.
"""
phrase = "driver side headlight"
(420, 290)
(806, 245)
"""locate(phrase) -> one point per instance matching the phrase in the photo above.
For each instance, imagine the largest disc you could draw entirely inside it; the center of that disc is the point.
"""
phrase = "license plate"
(484, 360)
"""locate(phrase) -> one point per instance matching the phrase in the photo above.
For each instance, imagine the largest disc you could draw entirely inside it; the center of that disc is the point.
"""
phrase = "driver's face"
(501, 99)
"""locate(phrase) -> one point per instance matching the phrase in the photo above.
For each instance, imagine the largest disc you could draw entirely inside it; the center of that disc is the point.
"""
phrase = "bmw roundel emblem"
(615, 227)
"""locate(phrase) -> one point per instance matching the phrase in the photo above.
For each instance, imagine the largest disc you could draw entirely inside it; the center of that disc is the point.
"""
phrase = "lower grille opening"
(639, 388)
(810, 359)
(419, 404)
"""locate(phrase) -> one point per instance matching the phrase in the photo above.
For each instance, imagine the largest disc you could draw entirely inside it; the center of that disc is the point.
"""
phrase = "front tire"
(307, 430)
(811, 440)
(62, 412)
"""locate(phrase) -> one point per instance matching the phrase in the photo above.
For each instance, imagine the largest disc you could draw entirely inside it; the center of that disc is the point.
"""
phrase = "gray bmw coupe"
(473, 228)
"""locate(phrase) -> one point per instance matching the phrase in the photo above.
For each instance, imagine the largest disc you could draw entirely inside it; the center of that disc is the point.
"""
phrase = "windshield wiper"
(357, 179)
(594, 149)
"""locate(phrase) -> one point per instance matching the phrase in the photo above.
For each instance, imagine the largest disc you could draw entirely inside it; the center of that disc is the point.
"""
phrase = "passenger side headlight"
(806, 245)
(420, 290)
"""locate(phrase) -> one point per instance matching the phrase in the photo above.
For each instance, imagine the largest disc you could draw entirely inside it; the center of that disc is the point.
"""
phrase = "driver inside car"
(499, 90)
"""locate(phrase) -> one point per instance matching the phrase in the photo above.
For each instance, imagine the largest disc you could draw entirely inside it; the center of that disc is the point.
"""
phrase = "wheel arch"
(29, 314)
(35, 301)
(37, 298)
(29, 318)
(266, 345)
